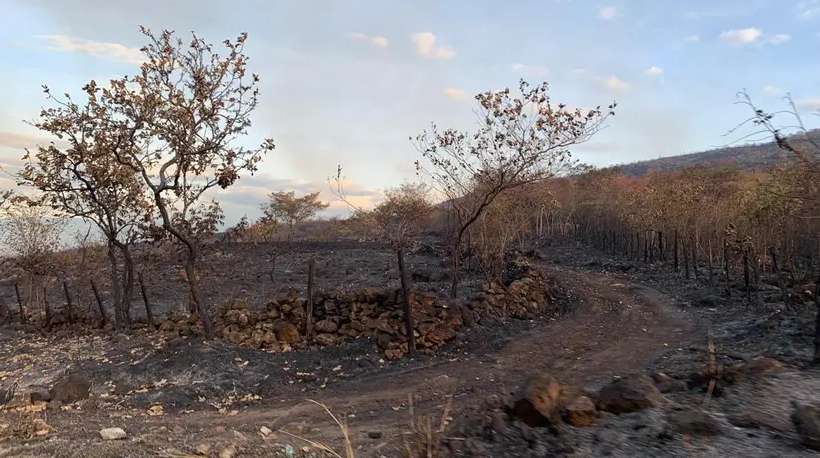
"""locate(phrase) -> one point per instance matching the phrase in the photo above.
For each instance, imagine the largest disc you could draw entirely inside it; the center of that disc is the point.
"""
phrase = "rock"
(71, 388)
(629, 394)
(667, 384)
(38, 393)
(753, 420)
(537, 401)
(325, 340)
(287, 333)
(227, 452)
(760, 366)
(696, 423)
(112, 434)
(373, 434)
(498, 421)
(326, 326)
(806, 420)
(580, 411)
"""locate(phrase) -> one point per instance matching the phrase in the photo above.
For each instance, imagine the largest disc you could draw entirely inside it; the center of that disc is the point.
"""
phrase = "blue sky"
(348, 81)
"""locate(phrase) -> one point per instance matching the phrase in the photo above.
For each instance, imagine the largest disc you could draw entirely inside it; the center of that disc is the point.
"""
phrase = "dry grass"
(426, 439)
(342, 424)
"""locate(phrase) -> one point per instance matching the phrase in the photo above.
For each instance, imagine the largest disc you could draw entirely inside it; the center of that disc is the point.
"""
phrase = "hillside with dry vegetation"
(512, 302)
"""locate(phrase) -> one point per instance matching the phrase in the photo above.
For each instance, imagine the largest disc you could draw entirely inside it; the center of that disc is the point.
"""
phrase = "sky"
(348, 82)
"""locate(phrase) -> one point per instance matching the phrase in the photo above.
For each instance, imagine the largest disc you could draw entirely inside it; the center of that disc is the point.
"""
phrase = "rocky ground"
(620, 320)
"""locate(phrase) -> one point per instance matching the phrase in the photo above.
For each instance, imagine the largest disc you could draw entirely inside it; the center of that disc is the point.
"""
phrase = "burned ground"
(181, 397)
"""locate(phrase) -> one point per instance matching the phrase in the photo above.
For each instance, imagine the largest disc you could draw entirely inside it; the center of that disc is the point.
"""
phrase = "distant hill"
(747, 157)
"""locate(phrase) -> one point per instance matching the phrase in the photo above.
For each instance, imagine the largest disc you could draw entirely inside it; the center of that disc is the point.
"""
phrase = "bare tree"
(82, 179)
(178, 118)
(284, 207)
(31, 235)
(804, 189)
(397, 220)
(519, 140)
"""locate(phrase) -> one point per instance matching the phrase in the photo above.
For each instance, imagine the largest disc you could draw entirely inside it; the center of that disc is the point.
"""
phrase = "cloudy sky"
(348, 81)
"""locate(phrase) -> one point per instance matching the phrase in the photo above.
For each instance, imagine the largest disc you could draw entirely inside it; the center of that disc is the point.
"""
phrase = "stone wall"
(371, 313)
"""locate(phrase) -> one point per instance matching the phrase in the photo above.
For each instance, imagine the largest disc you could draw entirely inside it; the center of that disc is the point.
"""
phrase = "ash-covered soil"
(621, 318)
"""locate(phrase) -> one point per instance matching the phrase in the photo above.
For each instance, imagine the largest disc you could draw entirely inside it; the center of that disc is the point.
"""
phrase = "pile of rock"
(369, 313)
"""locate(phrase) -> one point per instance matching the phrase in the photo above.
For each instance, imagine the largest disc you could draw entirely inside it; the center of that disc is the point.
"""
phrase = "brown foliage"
(520, 140)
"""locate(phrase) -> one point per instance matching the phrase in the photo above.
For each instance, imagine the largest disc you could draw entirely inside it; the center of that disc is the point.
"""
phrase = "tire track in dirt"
(614, 328)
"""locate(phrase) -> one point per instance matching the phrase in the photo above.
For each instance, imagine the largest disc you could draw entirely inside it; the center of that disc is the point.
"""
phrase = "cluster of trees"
(137, 157)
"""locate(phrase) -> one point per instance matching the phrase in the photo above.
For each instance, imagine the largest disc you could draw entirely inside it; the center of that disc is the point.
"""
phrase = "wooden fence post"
(20, 304)
(408, 317)
(99, 302)
(148, 312)
(309, 317)
(69, 305)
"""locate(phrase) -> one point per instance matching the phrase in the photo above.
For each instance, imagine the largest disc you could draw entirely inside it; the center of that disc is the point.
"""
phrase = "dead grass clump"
(425, 439)
(342, 424)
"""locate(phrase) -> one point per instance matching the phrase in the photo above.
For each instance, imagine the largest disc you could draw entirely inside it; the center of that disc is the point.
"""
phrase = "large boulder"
(806, 420)
(629, 394)
(71, 388)
(538, 401)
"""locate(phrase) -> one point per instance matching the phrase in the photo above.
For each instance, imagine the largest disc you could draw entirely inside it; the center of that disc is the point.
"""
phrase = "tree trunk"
(309, 311)
(711, 265)
(193, 283)
(408, 316)
(817, 321)
(685, 260)
(20, 304)
(454, 269)
(148, 312)
(47, 307)
(661, 251)
(119, 316)
(99, 302)
(746, 278)
(128, 281)
(726, 261)
(695, 258)
(677, 266)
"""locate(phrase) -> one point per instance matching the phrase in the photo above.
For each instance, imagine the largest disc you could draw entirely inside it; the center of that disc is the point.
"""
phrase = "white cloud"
(808, 104)
(614, 83)
(426, 46)
(529, 69)
(578, 71)
(112, 51)
(808, 9)
(457, 94)
(608, 13)
(778, 39)
(654, 71)
(741, 37)
(376, 41)
(691, 38)
(772, 90)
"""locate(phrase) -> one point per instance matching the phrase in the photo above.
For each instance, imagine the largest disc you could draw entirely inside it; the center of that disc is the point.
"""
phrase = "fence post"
(20, 304)
(309, 317)
(69, 305)
(148, 312)
(99, 302)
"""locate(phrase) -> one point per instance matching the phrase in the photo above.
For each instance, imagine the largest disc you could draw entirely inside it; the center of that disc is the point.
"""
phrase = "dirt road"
(614, 328)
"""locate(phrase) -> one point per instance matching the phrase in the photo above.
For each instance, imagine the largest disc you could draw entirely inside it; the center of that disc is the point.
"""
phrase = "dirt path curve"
(615, 328)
